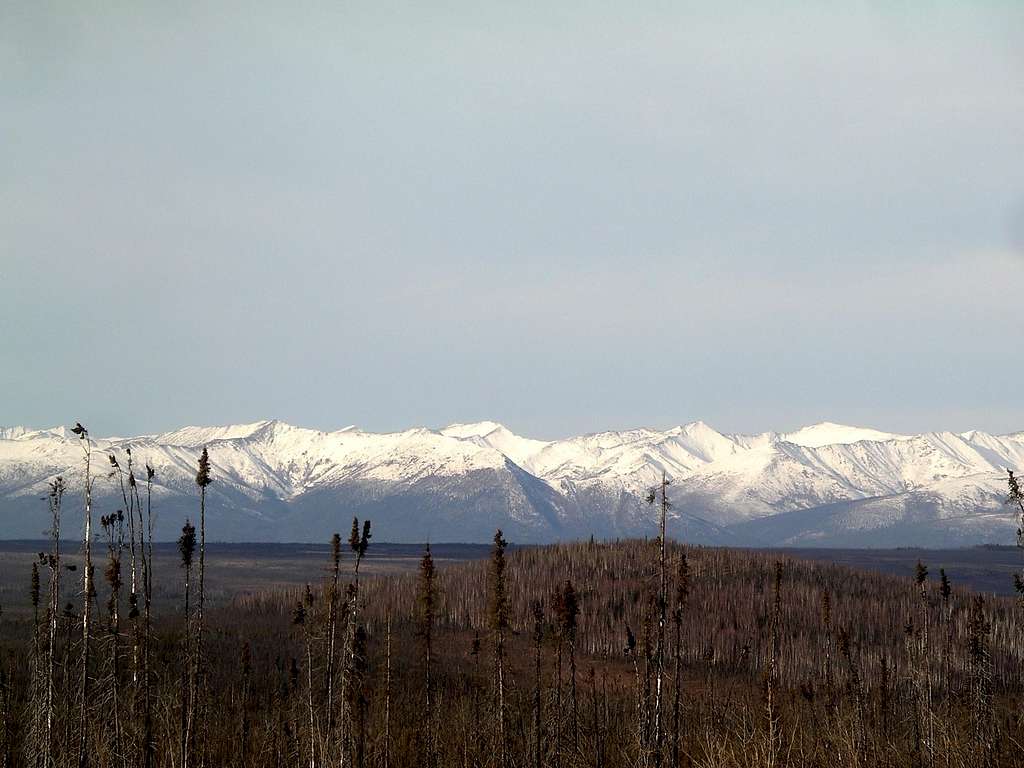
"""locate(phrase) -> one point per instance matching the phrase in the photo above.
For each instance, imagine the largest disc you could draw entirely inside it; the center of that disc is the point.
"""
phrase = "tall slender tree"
(302, 617)
(197, 687)
(980, 656)
(88, 591)
(6, 737)
(149, 747)
(113, 527)
(37, 669)
(945, 594)
(55, 499)
(630, 652)
(659, 652)
(387, 694)
(426, 608)
(125, 480)
(537, 609)
(359, 543)
(359, 703)
(772, 676)
(826, 639)
(186, 550)
(682, 598)
(245, 705)
(203, 480)
(924, 659)
(332, 630)
(556, 601)
(498, 615)
(568, 612)
(1016, 498)
(596, 721)
(856, 691)
(475, 648)
(129, 497)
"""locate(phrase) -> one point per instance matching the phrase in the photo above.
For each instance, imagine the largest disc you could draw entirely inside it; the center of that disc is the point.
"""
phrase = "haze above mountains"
(823, 485)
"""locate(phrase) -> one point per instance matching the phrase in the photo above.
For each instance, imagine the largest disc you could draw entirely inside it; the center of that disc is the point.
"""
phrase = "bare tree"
(113, 527)
(87, 594)
(52, 561)
(149, 748)
(126, 483)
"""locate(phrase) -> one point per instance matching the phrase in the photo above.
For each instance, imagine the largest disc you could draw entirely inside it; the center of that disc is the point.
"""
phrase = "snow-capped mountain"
(826, 484)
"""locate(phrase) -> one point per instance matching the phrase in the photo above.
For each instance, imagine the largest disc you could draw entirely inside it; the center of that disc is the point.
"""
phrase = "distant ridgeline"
(824, 485)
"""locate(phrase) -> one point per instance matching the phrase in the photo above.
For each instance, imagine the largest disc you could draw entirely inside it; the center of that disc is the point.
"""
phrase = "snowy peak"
(476, 429)
(192, 437)
(704, 442)
(497, 436)
(829, 433)
(29, 433)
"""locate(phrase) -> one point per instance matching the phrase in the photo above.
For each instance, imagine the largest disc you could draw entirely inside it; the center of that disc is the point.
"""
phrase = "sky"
(566, 217)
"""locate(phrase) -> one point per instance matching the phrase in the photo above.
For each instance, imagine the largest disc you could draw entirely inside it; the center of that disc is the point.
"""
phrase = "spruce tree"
(682, 599)
(426, 607)
(186, 551)
(498, 616)
(568, 611)
(1016, 498)
(537, 609)
(203, 480)
(332, 630)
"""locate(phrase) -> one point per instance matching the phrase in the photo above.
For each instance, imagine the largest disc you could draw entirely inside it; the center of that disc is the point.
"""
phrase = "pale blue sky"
(563, 216)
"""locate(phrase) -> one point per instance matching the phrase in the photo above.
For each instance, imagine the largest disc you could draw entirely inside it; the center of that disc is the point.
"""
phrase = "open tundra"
(824, 485)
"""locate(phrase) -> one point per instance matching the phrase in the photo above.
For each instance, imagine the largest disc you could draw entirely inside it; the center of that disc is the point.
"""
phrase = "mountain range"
(823, 485)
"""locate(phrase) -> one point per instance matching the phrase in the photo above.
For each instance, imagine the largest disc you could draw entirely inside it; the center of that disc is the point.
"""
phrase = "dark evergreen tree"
(426, 610)
(186, 551)
(498, 614)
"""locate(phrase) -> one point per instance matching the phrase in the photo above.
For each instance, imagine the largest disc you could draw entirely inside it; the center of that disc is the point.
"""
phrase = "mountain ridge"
(467, 478)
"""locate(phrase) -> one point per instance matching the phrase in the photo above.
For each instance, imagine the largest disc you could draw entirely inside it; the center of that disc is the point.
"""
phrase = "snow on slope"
(499, 437)
(828, 433)
(949, 512)
(192, 437)
(13, 433)
(260, 469)
(554, 489)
